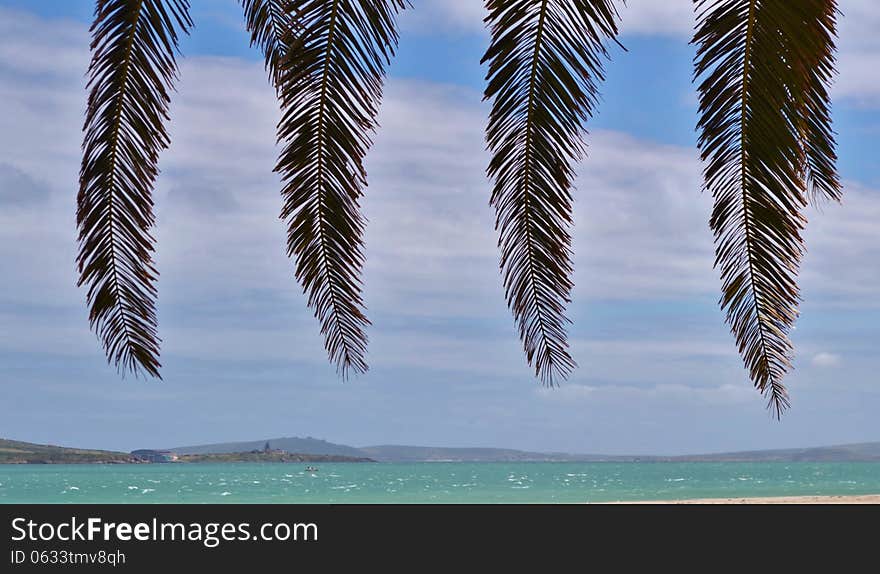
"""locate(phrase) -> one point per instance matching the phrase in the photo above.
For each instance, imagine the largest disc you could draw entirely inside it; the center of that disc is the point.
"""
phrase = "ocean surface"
(435, 482)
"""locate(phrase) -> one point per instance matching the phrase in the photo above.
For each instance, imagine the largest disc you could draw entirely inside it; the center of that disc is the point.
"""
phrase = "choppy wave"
(430, 482)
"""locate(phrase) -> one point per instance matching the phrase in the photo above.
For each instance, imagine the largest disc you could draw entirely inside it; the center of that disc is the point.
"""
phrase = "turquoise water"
(428, 482)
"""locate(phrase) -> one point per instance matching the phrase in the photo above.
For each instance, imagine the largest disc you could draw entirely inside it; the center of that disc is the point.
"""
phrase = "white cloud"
(29, 43)
(825, 360)
(653, 17)
(858, 44)
(840, 239)
(656, 359)
(439, 16)
(640, 221)
(859, 53)
(18, 188)
(720, 395)
(640, 231)
(658, 18)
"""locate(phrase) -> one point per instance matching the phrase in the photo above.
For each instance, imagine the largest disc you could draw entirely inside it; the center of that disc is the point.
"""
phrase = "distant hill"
(383, 453)
(861, 452)
(408, 453)
(306, 445)
(867, 451)
(17, 452)
(396, 453)
(274, 456)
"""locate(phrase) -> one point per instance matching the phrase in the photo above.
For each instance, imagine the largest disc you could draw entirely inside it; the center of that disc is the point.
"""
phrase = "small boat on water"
(311, 469)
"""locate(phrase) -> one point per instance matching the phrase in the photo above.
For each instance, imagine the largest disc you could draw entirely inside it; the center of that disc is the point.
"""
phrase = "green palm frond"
(274, 25)
(327, 59)
(764, 133)
(545, 62)
(131, 72)
(815, 69)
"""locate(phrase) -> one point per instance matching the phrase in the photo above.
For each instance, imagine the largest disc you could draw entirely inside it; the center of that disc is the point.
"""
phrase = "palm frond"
(815, 68)
(131, 72)
(274, 25)
(545, 63)
(763, 134)
(327, 59)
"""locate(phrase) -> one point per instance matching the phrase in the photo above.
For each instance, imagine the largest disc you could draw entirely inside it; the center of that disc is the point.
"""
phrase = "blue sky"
(242, 354)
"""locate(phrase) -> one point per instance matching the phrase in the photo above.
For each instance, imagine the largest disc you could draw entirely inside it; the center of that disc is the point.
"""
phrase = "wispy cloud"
(640, 228)
(825, 360)
(859, 44)
(445, 16)
(647, 331)
(20, 189)
(706, 395)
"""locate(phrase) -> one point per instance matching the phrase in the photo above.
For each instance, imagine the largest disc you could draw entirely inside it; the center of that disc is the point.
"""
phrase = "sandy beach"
(854, 499)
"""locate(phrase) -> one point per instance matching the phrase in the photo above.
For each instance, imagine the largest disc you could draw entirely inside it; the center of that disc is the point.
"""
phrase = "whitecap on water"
(225, 493)
(133, 487)
(148, 490)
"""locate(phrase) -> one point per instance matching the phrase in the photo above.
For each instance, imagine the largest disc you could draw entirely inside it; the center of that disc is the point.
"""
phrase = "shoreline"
(808, 499)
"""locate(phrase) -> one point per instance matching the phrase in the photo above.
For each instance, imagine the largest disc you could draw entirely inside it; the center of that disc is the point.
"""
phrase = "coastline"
(812, 499)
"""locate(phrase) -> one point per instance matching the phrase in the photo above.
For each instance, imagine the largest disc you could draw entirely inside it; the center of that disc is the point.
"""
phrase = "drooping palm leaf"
(327, 60)
(273, 25)
(545, 63)
(816, 68)
(132, 70)
(764, 132)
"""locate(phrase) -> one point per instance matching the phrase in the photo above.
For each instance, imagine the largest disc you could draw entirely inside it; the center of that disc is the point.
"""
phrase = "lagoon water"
(436, 482)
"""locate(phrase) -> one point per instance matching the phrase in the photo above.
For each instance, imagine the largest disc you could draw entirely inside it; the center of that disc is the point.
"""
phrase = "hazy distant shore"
(18, 451)
(844, 499)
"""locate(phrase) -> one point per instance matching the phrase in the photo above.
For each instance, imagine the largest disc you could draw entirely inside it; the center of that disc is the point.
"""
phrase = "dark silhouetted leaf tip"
(131, 72)
(326, 59)
(545, 61)
(767, 147)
